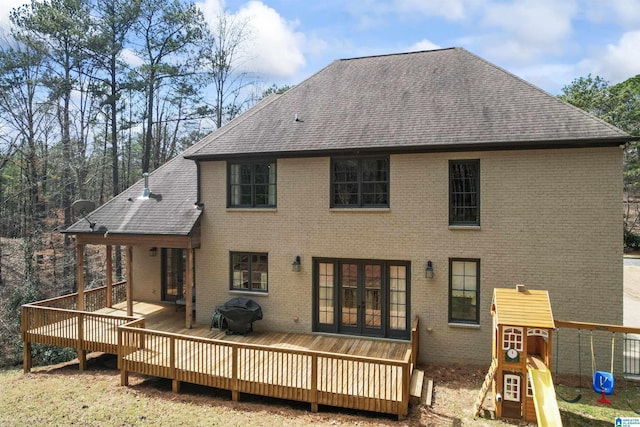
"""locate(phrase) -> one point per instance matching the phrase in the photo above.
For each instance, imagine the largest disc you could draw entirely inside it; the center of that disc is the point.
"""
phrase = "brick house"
(381, 189)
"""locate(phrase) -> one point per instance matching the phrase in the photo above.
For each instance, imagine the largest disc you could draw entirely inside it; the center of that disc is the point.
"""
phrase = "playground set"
(519, 377)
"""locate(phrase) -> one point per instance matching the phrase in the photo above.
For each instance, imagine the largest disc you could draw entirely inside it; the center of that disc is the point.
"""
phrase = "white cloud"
(453, 10)
(527, 29)
(616, 62)
(131, 58)
(276, 48)
(273, 49)
(625, 13)
(8, 6)
(423, 45)
(211, 9)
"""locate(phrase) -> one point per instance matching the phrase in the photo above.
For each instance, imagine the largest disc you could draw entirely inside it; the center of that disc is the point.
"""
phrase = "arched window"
(538, 332)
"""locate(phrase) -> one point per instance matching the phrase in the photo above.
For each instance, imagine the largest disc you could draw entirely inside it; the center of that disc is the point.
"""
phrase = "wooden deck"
(353, 372)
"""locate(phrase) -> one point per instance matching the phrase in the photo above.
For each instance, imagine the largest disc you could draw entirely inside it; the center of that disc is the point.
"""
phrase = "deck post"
(124, 377)
(26, 357)
(406, 387)
(175, 386)
(235, 394)
(189, 290)
(314, 382)
(80, 276)
(26, 351)
(129, 284)
(82, 353)
(109, 301)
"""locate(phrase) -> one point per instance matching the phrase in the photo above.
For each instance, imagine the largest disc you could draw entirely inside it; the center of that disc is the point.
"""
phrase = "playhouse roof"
(530, 308)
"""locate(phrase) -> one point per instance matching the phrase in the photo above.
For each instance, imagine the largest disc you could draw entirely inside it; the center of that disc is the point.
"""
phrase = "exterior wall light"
(295, 265)
(428, 273)
(153, 251)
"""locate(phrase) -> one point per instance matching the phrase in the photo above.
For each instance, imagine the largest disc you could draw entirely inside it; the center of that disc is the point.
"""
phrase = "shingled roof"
(447, 99)
(170, 209)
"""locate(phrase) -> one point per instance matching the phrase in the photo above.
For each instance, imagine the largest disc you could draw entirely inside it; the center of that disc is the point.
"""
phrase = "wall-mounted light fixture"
(295, 265)
(153, 251)
(428, 272)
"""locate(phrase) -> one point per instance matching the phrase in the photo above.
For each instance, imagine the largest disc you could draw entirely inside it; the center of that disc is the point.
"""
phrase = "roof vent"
(521, 288)
(145, 191)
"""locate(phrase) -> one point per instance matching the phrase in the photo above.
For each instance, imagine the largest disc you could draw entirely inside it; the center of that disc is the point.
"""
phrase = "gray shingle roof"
(441, 99)
(170, 210)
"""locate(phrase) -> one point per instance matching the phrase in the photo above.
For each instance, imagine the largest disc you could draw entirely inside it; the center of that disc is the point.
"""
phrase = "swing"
(579, 389)
(603, 382)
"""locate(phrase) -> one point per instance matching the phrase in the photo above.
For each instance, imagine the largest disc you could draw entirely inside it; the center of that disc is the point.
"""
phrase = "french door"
(361, 297)
(173, 273)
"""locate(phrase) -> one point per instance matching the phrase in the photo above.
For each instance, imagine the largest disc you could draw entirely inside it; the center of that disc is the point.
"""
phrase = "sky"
(546, 42)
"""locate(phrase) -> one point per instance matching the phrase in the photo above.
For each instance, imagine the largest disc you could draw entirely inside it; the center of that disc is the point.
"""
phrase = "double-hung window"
(464, 291)
(249, 272)
(360, 182)
(252, 184)
(464, 192)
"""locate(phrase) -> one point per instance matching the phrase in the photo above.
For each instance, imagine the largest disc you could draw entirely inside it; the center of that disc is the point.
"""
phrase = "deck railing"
(94, 299)
(631, 354)
(320, 378)
(57, 322)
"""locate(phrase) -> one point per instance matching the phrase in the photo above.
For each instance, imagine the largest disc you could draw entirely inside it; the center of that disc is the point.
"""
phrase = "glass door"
(361, 297)
(173, 273)
(349, 300)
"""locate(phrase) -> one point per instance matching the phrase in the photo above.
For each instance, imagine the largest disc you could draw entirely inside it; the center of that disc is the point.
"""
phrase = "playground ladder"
(485, 387)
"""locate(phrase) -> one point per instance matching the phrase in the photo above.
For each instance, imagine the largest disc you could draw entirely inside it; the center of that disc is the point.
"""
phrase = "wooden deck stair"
(417, 382)
(421, 390)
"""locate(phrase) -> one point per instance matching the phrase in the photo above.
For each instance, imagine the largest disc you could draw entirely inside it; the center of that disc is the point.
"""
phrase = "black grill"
(240, 313)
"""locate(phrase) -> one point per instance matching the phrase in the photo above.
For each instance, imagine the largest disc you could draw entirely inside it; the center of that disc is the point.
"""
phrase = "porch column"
(109, 277)
(80, 276)
(189, 290)
(129, 280)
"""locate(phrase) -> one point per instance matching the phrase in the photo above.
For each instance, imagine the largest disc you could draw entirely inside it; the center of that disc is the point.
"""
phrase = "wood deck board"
(163, 317)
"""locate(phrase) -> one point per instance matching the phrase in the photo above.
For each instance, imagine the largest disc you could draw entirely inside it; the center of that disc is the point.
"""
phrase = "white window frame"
(510, 340)
(538, 332)
(512, 387)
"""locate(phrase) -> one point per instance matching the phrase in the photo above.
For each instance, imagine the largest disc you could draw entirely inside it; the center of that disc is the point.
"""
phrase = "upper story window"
(464, 192)
(252, 184)
(360, 182)
(249, 272)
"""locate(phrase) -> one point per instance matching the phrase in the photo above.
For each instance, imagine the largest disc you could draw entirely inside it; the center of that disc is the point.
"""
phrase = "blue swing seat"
(603, 381)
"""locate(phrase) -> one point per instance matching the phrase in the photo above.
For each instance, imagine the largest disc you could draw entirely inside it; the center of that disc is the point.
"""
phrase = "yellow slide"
(544, 398)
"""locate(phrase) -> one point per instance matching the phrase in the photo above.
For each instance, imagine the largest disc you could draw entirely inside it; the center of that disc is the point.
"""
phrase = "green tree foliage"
(619, 105)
